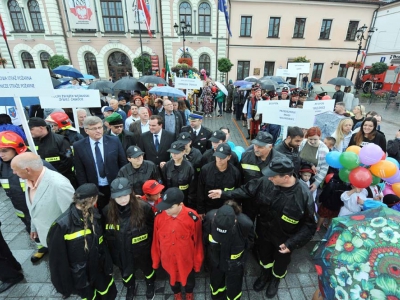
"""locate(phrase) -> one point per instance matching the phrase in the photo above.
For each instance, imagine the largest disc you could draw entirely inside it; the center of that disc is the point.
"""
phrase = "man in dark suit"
(156, 142)
(172, 120)
(98, 158)
(116, 129)
(158, 103)
(141, 126)
(200, 135)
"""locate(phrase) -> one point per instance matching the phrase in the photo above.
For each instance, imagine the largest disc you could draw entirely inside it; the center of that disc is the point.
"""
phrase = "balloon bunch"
(366, 166)
(237, 149)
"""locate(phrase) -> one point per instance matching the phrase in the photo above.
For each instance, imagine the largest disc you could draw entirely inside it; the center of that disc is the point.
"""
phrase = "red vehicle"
(387, 81)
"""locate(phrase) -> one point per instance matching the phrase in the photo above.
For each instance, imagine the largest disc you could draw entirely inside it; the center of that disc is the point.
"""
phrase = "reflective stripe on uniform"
(229, 189)
(22, 184)
(19, 213)
(100, 240)
(106, 290)
(183, 187)
(5, 183)
(36, 147)
(75, 235)
(237, 297)
(111, 227)
(151, 275)
(289, 220)
(50, 159)
(277, 276)
(140, 238)
(251, 167)
(210, 239)
(127, 280)
(267, 266)
(236, 256)
(217, 291)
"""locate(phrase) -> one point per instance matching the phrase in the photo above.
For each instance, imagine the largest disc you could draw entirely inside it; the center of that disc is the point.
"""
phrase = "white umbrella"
(221, 87)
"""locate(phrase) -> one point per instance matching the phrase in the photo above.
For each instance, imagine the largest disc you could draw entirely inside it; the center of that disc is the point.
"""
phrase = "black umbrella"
(104, 86)
(129, 84)
(341, 81)
(268, 84)
(152, 79)
(252, 79)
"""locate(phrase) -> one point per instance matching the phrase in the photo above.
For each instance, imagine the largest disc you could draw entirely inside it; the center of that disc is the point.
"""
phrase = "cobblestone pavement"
(299, 284)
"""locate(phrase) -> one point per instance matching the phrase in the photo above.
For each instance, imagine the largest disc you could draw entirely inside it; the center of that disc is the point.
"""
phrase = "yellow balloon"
(396, 189)
(383, 169)
(355, 149)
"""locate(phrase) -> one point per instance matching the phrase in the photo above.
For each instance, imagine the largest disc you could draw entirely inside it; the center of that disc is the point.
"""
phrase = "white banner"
(285, 73)
(299, 68)
(81, 14)
(319, 106)
(71, 99)
(188, 83)
(25, 82)
(131, 7)
(303, 118)
(263, 106)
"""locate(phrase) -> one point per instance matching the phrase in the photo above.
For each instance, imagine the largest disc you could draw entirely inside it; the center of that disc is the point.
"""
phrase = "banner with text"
(81, 14)
(286, 116)
(188, 83)
(133, 22)
(71, 99)
(319, 106)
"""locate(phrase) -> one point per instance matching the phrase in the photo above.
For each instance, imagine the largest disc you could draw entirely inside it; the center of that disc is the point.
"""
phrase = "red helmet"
(326, 97)
(10, 139)
(61, 119)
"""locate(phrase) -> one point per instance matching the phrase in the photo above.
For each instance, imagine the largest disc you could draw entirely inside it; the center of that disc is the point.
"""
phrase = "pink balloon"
(370, 154)
(388, 190)
(394, 179)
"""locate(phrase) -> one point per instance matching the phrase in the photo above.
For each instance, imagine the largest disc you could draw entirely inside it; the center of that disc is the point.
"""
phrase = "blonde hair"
(86, 206)
(339, 134)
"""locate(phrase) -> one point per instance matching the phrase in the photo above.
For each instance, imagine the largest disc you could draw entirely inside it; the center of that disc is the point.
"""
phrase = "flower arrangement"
(3, 61)
(185, 60)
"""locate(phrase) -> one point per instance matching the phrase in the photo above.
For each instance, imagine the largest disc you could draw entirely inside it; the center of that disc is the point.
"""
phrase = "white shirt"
(145, 127)
(101, 181)
(196, 131)
(159, 137)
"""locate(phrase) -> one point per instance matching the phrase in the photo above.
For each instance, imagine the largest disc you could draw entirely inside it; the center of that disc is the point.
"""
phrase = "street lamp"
(184, 28)
(360, 37)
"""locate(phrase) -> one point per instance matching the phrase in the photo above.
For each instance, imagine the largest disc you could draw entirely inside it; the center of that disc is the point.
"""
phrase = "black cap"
(176, 147)
(320, 95)
(86, 190)
(184, 137)
(278, 166)
(303, 93)
(134, 151)
(120, 187)
(172, 196)
(223, 150)
(263, 139)
(36, 122)
(223, 223)
(295, 92)
(217, 136)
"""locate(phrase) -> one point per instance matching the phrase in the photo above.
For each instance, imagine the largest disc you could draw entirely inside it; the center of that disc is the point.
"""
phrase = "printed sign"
(133, 21)
(71, 99)
(81, 14)
(264, 105)
(299, 68)
(319, 106)
(287, 116)
(285, 73)
(187, 83)
(25, 82)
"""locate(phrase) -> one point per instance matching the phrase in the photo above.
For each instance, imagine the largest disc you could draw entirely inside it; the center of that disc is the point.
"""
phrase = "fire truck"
(387, 81)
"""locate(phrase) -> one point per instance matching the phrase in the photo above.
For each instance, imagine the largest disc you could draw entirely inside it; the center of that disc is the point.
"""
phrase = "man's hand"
(33, 235)
(313, 187)
(162, 164)
(202, 216)
(314, 169)
(215, 194)
(283, 249)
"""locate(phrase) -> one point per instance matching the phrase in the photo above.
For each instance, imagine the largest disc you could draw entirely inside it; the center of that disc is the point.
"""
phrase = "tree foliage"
(57, 60)
(137, 62)
(224, 65)
(378, 68)
(301, 59)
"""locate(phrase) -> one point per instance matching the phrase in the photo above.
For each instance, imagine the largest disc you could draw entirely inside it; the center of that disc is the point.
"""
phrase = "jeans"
(220, 108)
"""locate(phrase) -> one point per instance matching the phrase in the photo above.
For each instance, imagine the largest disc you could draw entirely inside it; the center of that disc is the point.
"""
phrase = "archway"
(118, 65)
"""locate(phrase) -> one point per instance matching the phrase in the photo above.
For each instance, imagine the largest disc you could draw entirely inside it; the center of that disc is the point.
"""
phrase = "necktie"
(99, 160)
(156, 142)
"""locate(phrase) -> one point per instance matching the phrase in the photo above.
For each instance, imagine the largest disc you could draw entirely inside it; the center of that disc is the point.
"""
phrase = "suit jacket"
(178, 121)
(136, 128)
(201, 141)
(146, 143)
(53, 196)
(128, 139)
(85, 166)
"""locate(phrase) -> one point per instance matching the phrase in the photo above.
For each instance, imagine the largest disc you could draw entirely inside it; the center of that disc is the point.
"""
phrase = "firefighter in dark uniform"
(193, 155)
(179, 173)
(129, 233)
(284, 93)
(200, 135)
(138, 171)
(11, 144)
(302, 98)
(285, 221)
(294, 98)
(61, 124)
(53, 148)
(227, 234)
(79, 260)
(216, 175)
(253, 161)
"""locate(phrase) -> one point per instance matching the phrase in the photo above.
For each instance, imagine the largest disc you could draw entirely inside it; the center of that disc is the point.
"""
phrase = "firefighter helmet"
(61, 119)
(10, 139)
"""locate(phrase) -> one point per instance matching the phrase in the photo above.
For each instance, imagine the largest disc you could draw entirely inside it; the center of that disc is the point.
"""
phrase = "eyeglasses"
(95, 128)
(117, 126)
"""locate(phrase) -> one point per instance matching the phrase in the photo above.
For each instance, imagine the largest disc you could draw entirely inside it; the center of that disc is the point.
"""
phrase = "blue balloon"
(239, 148)
(393, 160)
(231, 144)
(332, 159)
(238, 153)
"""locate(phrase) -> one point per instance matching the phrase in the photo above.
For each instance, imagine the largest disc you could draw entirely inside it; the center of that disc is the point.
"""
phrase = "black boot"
(262, 280)
(130, 292)
(272, 289)
(248, 134)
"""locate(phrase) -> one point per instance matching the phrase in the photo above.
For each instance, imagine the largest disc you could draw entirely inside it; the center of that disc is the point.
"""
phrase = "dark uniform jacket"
(128, 244)
(137, 177)
(200, 141)
(126, 138)
(393, 149)
(208, 157)
(71, 266)
(211, 178)
(292, 153)
(72, 136)
(286, 215)
(194, 157)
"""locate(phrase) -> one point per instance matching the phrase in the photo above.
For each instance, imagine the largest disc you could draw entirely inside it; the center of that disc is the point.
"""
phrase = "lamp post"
(360, 37)
(182, 29)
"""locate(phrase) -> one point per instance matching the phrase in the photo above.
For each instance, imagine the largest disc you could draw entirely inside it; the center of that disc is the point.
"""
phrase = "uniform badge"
(193, 216)
(120, 186)
(136, 149)
(201, 133)
(221, 149)
(174, 146)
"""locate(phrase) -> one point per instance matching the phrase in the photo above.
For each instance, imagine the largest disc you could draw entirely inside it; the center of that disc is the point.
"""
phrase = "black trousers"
(238, 111)
(143, 263)
(270, 257)
(102, 288)
(226, 285)
(9, 266)
(190, 283)
(102, 201)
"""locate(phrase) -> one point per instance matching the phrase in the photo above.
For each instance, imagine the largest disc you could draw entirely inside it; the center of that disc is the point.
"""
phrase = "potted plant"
(358, 65)
(350, 64)
(3, 61)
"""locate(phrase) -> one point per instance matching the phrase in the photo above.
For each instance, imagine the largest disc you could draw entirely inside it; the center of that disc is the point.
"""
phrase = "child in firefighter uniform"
(129, 232)
(227, 234)
(79, 260)
(177, 242)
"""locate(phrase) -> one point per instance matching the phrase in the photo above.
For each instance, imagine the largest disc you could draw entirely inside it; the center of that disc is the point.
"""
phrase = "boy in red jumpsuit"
(177, 242)
(152, 193)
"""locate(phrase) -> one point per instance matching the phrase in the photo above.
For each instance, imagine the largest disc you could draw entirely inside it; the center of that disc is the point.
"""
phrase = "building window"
(243, 70)
(204, 18)
(119, 64)
(269, 68)
(36, 17)
(325, 29)
(342, 70)
(27, 60)
(274, 24)
(351, 31)
(17, 18)
(205, 63)
(245, 26)
(113, 18)
(299, 26)
(91, 64)
(185, 13)
(317, 73)
(44, 59)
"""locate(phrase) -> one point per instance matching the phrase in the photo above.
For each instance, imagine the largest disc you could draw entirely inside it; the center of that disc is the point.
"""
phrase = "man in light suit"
(156, 142)
(48, 194)
(98, 158)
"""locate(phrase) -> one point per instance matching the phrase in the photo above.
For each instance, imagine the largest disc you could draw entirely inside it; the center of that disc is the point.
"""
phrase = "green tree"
(224, 65)
(378, 68)
(57, 60)
(301, 59)
(137, 62)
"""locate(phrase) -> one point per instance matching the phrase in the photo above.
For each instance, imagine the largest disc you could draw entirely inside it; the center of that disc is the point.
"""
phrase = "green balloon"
(349, 160)
(375, 180)
(344, 174)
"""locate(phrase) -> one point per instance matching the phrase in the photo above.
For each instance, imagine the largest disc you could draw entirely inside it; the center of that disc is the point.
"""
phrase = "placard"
(286, 116)
(25, 82)
(188, 83)
(319, 106)
(299, 68)
(264, 105)
(285, 73)
(81, 14)
(71, 98)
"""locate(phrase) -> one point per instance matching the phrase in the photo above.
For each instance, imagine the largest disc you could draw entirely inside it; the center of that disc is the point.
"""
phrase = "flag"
(141, 5)
(167, 70)
(2, 29)
(364, 53)
(222, 7)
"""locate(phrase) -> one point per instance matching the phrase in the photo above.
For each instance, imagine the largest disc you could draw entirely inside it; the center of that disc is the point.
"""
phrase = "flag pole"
(9, 52)
(216, 49)
(140, 36)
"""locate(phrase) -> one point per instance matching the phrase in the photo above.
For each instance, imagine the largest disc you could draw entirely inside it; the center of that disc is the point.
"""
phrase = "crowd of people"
(146, 185)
